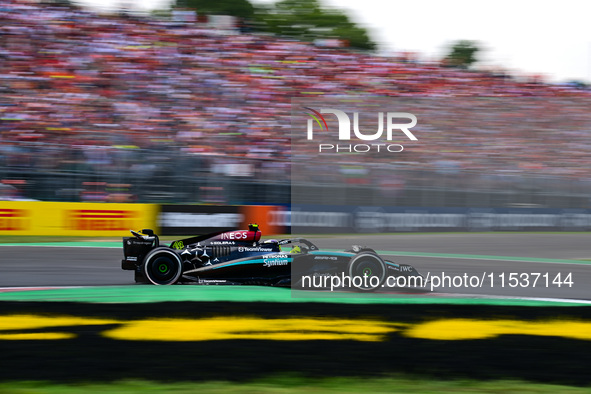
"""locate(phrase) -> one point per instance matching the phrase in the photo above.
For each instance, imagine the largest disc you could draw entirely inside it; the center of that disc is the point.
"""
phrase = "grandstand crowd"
(82, 90)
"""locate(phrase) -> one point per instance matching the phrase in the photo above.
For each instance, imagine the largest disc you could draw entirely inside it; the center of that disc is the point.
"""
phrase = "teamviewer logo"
(393, 124)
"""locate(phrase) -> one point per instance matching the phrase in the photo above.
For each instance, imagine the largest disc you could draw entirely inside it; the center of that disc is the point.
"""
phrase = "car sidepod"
(269, 269)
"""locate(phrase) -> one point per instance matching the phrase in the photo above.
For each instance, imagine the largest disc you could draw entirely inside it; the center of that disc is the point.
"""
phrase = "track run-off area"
(530, 266)
(68, 313)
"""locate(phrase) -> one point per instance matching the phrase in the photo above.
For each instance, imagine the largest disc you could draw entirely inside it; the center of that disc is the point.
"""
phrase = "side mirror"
(147, 231)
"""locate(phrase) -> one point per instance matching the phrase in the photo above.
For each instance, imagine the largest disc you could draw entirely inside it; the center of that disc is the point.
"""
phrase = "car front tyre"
(367, 272)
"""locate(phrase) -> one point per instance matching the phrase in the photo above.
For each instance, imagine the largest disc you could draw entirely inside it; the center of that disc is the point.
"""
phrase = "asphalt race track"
(73, 337)
(466, 263)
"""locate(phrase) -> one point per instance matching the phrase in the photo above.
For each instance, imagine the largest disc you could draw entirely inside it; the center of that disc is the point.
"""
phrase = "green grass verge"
(296, 385)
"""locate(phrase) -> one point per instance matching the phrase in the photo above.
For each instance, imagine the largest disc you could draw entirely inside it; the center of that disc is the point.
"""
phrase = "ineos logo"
(235, 235)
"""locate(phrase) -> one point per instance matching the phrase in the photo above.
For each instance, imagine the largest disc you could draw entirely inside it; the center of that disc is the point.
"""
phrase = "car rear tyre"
(367, 271)
(163, 267)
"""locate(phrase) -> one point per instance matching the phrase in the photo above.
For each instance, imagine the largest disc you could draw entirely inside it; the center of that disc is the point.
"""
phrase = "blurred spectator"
(91, 94)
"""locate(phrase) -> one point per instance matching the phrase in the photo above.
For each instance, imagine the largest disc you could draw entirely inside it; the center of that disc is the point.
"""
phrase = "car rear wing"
(147, 235)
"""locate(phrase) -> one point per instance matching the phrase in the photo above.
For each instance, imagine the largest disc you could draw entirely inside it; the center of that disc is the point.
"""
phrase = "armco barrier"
(350, 219)
(98, 219)
(74, 219)
(202, 219)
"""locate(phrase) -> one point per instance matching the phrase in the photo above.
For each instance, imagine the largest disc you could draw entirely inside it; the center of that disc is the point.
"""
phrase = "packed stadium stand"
(128, 108)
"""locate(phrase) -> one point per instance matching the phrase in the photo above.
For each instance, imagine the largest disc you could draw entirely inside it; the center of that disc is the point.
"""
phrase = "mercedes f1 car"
(240, 257)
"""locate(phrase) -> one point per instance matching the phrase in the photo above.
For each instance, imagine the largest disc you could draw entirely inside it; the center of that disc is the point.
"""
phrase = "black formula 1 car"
(239, 257)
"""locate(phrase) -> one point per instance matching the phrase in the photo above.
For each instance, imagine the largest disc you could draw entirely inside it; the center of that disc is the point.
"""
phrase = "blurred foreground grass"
(297, 385)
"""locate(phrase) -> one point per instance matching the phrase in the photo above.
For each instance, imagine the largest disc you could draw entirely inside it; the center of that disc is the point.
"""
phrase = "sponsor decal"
(14, 219)
(138, 242)
(308, 219)
(99, 220)
(255, 249)
(178, 245)
(211, 281)
(318, 218)
(325, 258)
(235, 235)
(186, 219)
(223, 243)
(275, 256)
(275, 262)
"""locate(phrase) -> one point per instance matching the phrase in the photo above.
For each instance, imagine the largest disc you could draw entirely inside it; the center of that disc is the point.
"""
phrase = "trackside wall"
(99, 219)
(74, 219)
(41, 218)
